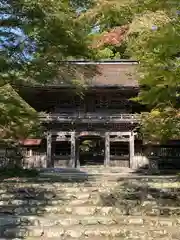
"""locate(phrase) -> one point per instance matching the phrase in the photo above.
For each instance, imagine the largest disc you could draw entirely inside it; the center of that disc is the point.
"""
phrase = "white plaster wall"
(140, 161)
(38, 161)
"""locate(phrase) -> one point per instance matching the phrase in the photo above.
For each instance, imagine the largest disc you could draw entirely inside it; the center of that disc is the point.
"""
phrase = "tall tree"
(154, 41)
(36, 36)
(152, 37)
(109, 20)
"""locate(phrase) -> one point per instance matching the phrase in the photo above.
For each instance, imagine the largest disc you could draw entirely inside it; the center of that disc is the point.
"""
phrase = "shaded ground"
(29, 196)
(144, 194)
(41, 196)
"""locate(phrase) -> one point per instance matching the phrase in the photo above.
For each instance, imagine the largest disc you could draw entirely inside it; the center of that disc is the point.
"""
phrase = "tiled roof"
(115, 75)
(30, 142)
(104, 73)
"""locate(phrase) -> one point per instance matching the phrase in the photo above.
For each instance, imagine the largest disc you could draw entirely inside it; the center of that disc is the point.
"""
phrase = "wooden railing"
(94, 117)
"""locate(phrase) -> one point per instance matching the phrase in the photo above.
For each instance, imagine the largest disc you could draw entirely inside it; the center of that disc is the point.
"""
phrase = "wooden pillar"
(49, 150)
(77, 162)
(131, 151)
(30, 153)
(107, 149)
(73, 150)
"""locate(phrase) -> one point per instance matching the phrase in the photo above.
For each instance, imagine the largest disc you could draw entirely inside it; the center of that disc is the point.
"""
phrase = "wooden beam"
(91, 133)
(107, 149)
(131, 151)
(116, 139)
(60, 133)
(49, 150)
(73, 150)
(121, 133)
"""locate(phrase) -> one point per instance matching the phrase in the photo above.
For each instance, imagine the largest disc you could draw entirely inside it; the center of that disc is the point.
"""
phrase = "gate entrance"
(91, 150)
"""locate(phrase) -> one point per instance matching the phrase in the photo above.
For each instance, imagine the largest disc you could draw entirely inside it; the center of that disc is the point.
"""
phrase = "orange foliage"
(114, 37)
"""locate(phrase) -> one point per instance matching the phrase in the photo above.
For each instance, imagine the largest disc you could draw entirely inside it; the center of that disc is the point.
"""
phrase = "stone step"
(91, 177)
(74, 220)
(59, 187)
(147, 210)
(67, 178)
(105, 195)
(101, 181)
(102, 238)
(95, 210)
(86, 200)
(72, 201)
(91, 231)
(86, 238)
(65, 193)
(19, 198)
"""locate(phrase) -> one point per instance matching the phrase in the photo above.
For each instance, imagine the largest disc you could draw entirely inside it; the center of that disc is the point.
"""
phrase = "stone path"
(94, 203)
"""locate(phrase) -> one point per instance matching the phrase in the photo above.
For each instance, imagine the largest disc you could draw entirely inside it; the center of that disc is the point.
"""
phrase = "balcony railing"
(89, 117)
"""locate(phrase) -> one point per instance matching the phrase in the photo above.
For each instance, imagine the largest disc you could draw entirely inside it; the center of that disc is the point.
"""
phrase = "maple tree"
(147, 31)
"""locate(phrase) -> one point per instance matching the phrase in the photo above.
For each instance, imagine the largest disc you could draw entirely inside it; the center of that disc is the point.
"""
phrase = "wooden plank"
(107, 149)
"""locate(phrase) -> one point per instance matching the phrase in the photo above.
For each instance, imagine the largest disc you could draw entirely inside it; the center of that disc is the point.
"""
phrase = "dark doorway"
(91, 150)
(62, 148)
(61, 151)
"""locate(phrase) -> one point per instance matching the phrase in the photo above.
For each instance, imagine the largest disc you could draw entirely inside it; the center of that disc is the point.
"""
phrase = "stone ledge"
(93, 231)
(72, 220)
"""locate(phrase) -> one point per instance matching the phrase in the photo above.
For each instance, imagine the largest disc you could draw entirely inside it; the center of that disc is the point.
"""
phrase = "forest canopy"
(148, 31)
(36, 36)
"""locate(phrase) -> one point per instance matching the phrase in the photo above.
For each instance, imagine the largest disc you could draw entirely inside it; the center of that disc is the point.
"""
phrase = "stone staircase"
(94, 203)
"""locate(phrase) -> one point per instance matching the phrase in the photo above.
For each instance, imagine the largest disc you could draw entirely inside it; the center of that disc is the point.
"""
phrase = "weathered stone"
(152, 212)
(83, 196)
(53, 232)
(73, 210)
(136, 221)
(89, 221)
(25, 210)
(6, 196)
(106, 221)
(68, 221)
(148, 203)
(105, 210)
(23, 232)
(78, 202)
(166, 222)
(85, 210)
(73, 233)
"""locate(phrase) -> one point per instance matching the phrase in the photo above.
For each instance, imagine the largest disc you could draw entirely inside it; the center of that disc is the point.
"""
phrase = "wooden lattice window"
(119, 149)
(102, 101)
